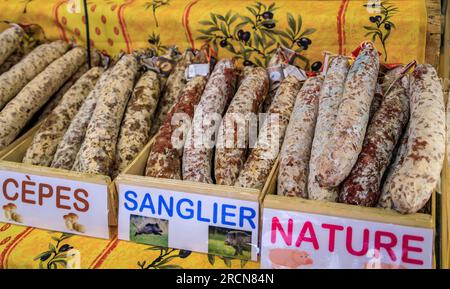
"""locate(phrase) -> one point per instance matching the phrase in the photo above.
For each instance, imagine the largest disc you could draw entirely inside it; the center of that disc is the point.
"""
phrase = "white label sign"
(54, 204)
(194, 222)
(295, 240)
(194, 70)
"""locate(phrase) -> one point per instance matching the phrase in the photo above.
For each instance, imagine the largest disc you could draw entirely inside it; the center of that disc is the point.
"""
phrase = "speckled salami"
(96, 154)
(10, 41)
(73, 138)
(258, 165)
(11, 61)
(174, 85)
(198, 149)
(296, 150)
(338, 158)
(135, 128)
(275, 66)
(329, 100)
(12, 81)
(376, 102)
(16, 114)
(164, 160)
(362, 186)
(233, 134)
(50, 133)
(413, 183)
(54, 101)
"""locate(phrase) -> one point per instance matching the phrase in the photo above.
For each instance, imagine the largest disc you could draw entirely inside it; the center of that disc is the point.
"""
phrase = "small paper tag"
(197, 70)
(276, 73)
(294, 71)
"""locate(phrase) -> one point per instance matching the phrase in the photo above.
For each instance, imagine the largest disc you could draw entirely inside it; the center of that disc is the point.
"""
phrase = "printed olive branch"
(155, 42)
(56, 254)
(383, 25)
(154, 5)
(164, 257)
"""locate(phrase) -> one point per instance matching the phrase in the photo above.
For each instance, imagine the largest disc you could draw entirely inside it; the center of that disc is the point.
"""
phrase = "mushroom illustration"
(7, 211)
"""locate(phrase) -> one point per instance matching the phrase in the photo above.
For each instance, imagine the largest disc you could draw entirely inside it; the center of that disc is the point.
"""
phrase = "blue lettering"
(190, 212)
(215, 213)
(162, 203)
(243, 216)
(225, 214)
(199, 215)
(130, 203)
(147, 203)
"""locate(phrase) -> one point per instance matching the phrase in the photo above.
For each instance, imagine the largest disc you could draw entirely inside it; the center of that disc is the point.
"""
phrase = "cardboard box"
(206, 218)
(299, 233)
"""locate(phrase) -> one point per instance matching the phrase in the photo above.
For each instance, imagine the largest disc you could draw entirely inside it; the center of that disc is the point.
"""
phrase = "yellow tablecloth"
(25, 247)
(398, 27)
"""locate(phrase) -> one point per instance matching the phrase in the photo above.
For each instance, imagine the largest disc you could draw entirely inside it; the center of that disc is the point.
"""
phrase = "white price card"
(296, 240)
(189, 221)
(54, 203)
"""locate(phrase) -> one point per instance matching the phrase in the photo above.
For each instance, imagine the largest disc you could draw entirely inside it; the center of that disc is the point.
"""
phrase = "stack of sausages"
(335, 150)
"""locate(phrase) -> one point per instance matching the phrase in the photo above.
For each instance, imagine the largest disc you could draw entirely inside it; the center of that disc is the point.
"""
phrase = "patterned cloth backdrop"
(249, 30)
(245, 29)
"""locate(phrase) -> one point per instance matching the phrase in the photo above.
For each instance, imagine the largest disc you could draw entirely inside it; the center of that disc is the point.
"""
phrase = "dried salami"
(164, 160)
(234, 130)
(341, 153)
(16, 114)
(362, 186)
(10, 41)
(329, 100)
(262, 158)
(50, 133)
(201, 139)
(296, 150)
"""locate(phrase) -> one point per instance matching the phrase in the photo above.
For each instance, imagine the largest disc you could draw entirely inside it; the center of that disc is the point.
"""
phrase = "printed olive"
(240, 34)
(373, 19)
(267, 15)
(387, 26)
(223, 43)
(248, 63)
(246, 36)
(184, 254)
(378, 17)
(152, 41)
(269, 25)
(304, 41)
(316, 66)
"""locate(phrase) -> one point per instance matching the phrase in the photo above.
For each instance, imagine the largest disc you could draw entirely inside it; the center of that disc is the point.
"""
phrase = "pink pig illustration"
(289, 258)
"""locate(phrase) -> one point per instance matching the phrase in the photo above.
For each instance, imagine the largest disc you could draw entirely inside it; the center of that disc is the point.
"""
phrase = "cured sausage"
(262, 158)
(174, 85)
(275, 71)
(164, 160)
(198, 150)
(329, 100)
(341, 153)
(96, 154)
(50, 133)
(16, 114)
(73, 138)
(234, 130)
(296, 150)
(10, 41)
(12, 81)
(412, 184)
(136, 124)
(362, 187)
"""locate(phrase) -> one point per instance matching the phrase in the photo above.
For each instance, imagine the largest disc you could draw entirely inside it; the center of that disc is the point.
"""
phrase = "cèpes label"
(54, 204)
(301, 240)
(194, 222)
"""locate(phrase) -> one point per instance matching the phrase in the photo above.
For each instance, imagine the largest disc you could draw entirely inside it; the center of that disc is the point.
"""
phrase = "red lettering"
(406, 248)
(349, 242)
(307, 227)
(60, 196)
(77, 195)
(388, 245)
(5, 189)
(332, 235)
(26, 192)
(276, 226)
(42, 195)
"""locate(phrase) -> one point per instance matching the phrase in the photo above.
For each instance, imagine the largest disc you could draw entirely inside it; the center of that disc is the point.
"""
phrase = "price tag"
(197, 70)
(294, 71)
